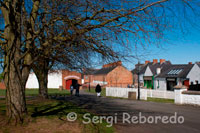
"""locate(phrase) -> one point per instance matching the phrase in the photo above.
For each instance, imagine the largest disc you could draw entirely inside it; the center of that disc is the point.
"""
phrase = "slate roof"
(153, 66)
(90, 71)
(164, 66)
(142, 66)
(104, 71)
(183, 74)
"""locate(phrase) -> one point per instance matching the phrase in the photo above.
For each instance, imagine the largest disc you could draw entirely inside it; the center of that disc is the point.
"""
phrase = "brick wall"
(119, 77)
(2, 85)
(66, 73)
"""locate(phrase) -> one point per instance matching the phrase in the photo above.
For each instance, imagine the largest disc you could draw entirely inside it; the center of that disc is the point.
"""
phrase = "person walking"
(71, 89)
(98, 90)
(77, 86)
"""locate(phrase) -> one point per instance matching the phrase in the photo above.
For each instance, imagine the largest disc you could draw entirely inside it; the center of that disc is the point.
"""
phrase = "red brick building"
(70, 77)
(112, 75)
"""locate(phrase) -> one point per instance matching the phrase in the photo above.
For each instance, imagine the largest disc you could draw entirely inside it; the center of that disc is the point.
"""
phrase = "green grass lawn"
(54, 111)
(2, 92)
(161, 100)
(34, 92)
(92, 90)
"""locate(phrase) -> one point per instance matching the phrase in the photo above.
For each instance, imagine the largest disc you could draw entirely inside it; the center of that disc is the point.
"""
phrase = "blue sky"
(178, 50)
(182, 45)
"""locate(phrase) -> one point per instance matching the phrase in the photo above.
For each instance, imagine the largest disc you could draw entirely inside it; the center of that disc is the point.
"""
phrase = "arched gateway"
(71, 80)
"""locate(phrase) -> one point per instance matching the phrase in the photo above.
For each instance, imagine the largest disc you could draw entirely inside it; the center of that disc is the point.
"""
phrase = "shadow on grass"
(55, 109)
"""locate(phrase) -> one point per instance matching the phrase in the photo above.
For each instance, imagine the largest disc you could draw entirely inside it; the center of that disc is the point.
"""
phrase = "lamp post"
(89, 83)
(138, 80)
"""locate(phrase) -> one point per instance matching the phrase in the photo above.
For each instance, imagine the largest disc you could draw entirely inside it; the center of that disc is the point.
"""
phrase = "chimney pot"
(146, 62)
(162, 60)
(189, 62)
(155, 61)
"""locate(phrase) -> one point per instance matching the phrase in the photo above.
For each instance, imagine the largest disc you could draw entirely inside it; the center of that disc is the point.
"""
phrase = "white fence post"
(178, 95)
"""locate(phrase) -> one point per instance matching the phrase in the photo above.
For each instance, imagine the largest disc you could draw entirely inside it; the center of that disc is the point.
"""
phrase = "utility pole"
(138, 80)
(89, 83)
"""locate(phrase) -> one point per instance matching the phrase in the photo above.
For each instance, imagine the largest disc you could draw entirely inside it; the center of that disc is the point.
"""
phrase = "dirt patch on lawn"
(39, 124)
(44, 125)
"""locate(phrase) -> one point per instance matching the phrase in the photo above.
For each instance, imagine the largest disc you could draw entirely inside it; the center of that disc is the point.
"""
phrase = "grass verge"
(92, 90)
(34, 92)
(160, 100)
(45, 115)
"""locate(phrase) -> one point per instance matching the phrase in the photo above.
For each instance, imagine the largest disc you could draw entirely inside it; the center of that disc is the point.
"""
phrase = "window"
(175, 71)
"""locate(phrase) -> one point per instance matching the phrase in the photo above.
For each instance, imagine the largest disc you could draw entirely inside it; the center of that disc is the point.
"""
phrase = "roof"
(176, 71)
(153, 66)
(89, 71)
(142, 68)
(104, 70)
(164, 66)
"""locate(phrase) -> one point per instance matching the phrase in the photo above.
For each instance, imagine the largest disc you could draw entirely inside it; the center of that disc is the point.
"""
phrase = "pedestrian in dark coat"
(98, 90)
(77, 86)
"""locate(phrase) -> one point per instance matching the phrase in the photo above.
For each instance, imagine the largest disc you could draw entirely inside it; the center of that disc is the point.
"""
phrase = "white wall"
(160, 94)
(194, 74)
(186, 98)
(141, 78)
(148, 72)
(162, 84)
(32, 81)
(54, 80)
(123, 92)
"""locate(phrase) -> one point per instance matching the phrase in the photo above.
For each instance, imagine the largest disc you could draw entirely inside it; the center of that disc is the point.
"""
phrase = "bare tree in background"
(97, 25)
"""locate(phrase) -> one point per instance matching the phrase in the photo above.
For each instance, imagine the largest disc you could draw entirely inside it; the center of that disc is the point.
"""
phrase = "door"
(187, 83)
(68, 84)
(170, 85)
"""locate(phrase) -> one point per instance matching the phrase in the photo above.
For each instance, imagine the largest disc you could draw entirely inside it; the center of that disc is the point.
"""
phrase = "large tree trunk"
(15, 95)
(16, 65)
(42, 76)
(41, 69)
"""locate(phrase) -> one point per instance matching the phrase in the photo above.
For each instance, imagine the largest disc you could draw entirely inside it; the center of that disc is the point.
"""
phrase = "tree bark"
(41, 70)
(16, 68)
(15, 96)
(42, 76)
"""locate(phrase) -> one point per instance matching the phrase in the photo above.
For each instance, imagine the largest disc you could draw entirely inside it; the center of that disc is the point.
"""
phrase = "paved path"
(110, 106)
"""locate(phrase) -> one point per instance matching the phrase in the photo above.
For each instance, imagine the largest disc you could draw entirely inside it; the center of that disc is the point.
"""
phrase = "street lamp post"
(89, 83)
(138, 80)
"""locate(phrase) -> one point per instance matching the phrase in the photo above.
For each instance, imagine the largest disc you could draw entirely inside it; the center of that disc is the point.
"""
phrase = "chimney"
(119, 63)
(189, 62)
(162, 61)
(146, 62)
(155, 61)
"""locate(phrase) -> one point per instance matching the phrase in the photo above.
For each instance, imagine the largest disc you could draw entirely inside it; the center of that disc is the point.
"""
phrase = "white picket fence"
(160, 94)
(144, 93)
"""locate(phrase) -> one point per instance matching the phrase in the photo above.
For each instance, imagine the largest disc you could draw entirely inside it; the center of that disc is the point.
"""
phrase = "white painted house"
(186, 74)
(149, 70)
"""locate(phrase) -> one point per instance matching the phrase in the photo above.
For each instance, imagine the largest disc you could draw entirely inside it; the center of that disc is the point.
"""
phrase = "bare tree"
(97, 25)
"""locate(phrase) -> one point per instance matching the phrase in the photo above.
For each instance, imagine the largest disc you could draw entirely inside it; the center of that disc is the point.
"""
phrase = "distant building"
(148, 71)
(56, 78)
(113, 75)
(185, 74)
